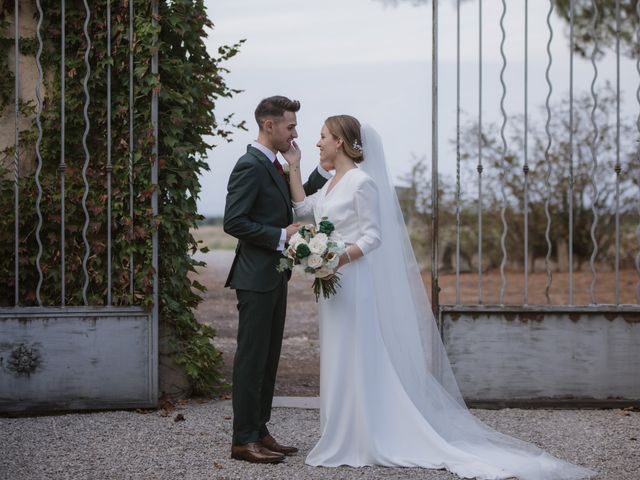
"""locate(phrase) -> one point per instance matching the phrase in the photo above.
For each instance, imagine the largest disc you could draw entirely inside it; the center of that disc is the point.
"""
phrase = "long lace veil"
(414, 345)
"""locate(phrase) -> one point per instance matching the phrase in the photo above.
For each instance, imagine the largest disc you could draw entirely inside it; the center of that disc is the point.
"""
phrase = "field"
(213, 237)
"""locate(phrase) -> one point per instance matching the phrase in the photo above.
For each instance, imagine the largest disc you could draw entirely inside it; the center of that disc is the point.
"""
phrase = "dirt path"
(299, 371)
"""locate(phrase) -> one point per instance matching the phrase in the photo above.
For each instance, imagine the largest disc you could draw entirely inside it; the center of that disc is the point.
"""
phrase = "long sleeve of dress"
(368, 212)
(306, 206)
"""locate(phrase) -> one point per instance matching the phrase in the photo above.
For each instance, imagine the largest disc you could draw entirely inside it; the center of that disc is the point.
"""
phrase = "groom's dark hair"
(275, 107)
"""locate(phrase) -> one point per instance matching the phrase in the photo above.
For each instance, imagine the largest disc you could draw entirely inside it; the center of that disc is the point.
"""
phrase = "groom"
(258, 213)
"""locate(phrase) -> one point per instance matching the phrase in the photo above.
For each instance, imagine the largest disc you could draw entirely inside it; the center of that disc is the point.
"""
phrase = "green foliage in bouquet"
(285, 264)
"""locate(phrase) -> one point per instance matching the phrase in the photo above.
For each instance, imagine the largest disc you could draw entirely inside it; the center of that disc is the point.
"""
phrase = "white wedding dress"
(387, 392)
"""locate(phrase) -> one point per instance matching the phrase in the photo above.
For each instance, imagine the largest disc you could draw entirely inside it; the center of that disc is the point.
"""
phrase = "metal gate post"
(435, 288)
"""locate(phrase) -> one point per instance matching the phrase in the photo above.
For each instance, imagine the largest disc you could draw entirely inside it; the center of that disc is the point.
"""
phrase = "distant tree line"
(548, 185)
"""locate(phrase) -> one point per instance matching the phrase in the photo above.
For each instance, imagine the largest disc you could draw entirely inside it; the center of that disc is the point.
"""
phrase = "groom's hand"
(293, 155)
(291, 229)
(327, 165)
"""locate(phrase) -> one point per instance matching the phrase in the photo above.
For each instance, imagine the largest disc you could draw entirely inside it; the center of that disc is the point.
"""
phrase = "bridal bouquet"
(315, 251)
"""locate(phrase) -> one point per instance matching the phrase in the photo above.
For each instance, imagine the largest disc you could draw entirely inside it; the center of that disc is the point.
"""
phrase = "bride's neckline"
(332, 186)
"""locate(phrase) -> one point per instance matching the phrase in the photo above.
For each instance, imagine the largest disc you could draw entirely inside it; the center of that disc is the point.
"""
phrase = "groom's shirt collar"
(268, 153)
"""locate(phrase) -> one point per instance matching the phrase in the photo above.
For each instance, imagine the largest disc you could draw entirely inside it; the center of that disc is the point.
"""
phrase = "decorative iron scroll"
(24, 360)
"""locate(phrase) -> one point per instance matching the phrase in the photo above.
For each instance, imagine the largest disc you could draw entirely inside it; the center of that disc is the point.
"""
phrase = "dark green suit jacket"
(258, 207)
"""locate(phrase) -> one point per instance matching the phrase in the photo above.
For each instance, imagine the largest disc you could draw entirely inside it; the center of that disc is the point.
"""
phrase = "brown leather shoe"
(254, 452)
(274, 446)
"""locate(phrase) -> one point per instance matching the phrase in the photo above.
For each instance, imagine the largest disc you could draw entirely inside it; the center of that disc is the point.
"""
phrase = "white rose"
(314, 261)
(322, 236)
(318, 244)
(298, 269)
(295, 238)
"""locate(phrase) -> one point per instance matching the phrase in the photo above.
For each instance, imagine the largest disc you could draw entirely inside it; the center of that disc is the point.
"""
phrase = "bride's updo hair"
(347, 128)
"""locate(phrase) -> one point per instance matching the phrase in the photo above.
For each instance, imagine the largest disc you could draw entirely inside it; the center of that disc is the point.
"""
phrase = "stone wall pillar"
(28, 73)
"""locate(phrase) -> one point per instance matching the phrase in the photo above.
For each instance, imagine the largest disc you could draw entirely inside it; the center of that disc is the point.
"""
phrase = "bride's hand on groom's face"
(293, 155)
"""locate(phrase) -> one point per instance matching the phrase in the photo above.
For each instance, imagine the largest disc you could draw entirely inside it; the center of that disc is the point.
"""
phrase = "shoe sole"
(290, 454)
(283, 453)
(279, 460)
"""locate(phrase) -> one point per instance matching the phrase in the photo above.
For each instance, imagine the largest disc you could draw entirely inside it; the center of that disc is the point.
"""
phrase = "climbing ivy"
(189, 84)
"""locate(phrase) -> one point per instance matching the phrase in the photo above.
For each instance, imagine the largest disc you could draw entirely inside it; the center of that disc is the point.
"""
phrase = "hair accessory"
(357, 146)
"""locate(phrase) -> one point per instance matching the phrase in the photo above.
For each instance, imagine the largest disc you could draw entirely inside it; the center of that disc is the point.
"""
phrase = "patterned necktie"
(278, 166)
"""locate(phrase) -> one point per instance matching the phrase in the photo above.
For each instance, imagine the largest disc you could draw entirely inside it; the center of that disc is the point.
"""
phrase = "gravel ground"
(159, 445)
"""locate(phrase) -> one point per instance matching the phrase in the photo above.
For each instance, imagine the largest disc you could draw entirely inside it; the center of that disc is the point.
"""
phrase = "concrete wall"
(553, 357)
(76, 358)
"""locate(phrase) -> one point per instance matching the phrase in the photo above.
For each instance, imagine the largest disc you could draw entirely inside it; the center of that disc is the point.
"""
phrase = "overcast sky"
(374, 62)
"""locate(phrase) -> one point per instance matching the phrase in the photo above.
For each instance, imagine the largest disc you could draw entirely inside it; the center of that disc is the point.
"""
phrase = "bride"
(387, 391)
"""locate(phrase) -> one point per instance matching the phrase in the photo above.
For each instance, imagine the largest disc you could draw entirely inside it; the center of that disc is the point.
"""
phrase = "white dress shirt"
(267, 152)
(272, 157)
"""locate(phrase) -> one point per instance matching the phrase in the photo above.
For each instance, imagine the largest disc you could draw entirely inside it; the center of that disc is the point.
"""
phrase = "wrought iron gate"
(517, 352)
(86, 351)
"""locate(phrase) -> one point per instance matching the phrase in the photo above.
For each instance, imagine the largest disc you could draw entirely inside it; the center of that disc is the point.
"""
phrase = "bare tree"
(549, 163)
